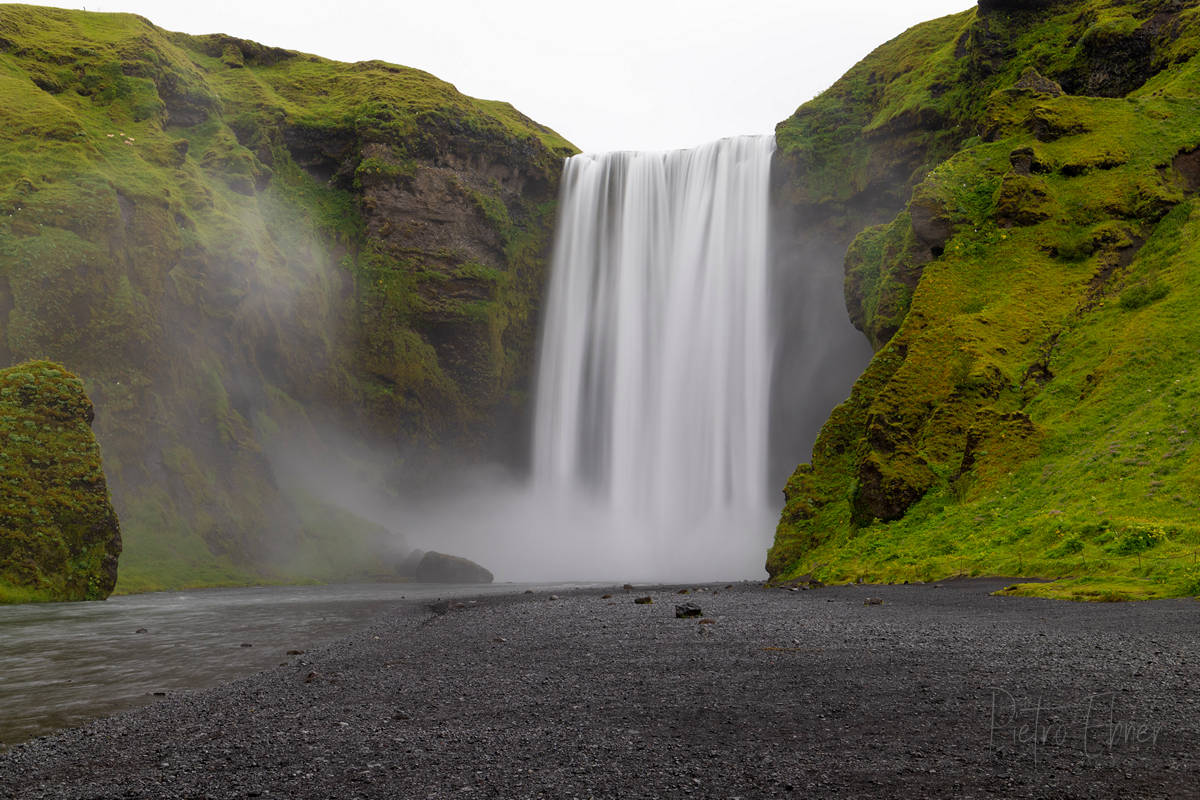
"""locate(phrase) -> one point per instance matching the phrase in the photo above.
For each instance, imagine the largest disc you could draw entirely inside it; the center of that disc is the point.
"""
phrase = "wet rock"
(873, 601)
(442, 568)
(688, 610)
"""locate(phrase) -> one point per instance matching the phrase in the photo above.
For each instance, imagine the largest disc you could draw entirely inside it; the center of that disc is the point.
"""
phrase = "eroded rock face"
(59, 535)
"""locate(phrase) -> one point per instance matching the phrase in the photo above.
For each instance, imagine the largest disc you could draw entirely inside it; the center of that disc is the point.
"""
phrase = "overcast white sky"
(608, 75)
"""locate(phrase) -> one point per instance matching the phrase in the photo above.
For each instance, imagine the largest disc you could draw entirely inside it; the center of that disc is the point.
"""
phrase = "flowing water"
(63, 664)
(654, 380)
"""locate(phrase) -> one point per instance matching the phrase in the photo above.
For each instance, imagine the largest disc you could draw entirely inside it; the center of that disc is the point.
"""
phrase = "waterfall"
(654, 428)
(653, 385)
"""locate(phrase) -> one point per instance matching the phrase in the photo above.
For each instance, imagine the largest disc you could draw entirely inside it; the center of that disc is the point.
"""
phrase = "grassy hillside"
(236, 246)
(1032, 405)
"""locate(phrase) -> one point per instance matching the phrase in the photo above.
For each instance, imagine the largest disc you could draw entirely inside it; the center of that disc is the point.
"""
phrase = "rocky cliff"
(59, 536)
(240, 248)
(1016, 186)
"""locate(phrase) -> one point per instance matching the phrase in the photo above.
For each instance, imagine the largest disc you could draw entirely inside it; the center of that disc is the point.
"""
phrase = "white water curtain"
(654, 379)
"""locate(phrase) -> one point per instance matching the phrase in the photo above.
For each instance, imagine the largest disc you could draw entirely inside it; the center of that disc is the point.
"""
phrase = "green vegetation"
(59, 537)
(232, 243)
(1032, 406)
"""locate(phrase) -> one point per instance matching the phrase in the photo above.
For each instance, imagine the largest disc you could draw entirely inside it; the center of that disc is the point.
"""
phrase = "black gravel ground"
(940, 691)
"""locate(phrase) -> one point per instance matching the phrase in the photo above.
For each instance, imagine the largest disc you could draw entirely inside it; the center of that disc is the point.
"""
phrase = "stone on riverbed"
(441, 568)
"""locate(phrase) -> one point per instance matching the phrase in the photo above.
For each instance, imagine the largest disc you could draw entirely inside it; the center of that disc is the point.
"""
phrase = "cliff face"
(1021, 178)
(238, 245)
(59, 537)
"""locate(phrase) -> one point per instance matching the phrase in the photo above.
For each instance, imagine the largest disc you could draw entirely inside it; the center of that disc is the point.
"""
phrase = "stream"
(65, 664)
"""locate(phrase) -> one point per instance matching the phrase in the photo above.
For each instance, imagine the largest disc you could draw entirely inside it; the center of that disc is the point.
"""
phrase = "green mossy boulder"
(59, 536)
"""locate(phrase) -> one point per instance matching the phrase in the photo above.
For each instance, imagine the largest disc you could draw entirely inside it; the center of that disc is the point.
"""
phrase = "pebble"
(606, 702)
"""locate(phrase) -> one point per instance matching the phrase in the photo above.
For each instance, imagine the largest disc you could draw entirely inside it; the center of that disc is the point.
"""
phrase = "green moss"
(1142, 294)
(1033, 413)
(198, 225)
(59, 537)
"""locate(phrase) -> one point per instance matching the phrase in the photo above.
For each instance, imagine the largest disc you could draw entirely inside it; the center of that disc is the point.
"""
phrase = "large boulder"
(59, 536)
(441, 568)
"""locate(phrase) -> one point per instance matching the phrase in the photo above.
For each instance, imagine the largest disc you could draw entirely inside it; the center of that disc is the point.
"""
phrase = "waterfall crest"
(654, 378)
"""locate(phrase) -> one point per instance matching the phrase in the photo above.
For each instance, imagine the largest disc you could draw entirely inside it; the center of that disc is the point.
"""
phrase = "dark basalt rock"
(887, 489)
(407, 566)
(441, 568)
(930, 221)
(687, 610)
(1034, 81)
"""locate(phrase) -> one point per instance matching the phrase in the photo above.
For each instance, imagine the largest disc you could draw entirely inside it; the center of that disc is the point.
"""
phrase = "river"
(64, 664)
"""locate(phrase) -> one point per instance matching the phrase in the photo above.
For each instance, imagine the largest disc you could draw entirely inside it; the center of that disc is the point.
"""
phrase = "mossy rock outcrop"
(59, 535)
(1026, 276)
(239, 247)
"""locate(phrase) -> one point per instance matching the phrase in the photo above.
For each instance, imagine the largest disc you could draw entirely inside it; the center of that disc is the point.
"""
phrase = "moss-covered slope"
(230, 242)
(1032, 406)
(59, 537)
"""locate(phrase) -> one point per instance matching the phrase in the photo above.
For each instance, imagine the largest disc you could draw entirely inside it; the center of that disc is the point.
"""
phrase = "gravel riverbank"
(937, 691)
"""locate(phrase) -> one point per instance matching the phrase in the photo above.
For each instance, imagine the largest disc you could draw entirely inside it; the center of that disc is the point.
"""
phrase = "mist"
(500, 518)
(629, 479)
